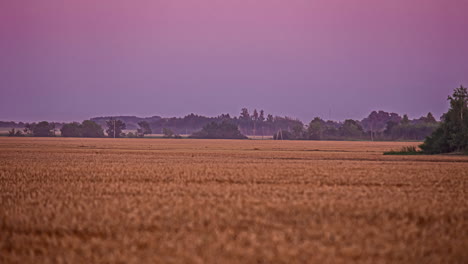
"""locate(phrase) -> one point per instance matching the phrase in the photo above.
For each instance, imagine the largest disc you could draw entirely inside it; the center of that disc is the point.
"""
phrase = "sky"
(69, 60)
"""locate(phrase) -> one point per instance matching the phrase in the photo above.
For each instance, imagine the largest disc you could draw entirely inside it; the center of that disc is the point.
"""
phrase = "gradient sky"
(66, 60)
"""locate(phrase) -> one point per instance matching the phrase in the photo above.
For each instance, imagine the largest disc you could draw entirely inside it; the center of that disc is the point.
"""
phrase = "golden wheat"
(227, 201)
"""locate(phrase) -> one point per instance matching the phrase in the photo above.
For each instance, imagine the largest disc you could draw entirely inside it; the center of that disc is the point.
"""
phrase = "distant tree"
(41, 129)
(452, 134)
(167, 133)
(430, 118)
(224, 116)
(144, 129)
(28, 128)
(244, 114)
(331, 130)
(223, 130)
(316, 128)
(255, 115)
(71, 130)
(255, 120)
(389, 129)
(405, 120)
(298, 132)
(91, 129)
(249, 124)
(270, 118)
(261, 117)
(459, 105)
(376, 122)
(351, 129)
(15, 133)
(410, 131)
(115, 128)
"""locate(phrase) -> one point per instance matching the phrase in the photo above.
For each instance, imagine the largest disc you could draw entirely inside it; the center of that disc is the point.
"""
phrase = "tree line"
(255, 123)
(448, 135)
(379, 125)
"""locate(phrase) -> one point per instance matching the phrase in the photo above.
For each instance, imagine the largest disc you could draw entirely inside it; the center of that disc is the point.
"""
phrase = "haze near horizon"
(338, 59)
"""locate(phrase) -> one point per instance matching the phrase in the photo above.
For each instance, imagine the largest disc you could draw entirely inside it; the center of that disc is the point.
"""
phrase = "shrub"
(408, 150)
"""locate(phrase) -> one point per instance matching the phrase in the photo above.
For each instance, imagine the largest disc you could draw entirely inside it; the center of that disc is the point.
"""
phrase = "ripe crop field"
(228, 201)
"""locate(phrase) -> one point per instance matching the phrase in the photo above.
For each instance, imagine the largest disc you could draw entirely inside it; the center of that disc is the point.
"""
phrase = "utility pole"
(114, 128)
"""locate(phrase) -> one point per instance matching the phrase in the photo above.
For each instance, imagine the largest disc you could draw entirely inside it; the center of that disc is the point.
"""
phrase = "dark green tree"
(261, 117)
(316, 128)
(297, 132)
(376, 122)
(144, 129)
(71, 130)
(91, 129)
(255, 115)
(244, 114)
(351, 130)
(331, 130)
(41, 129)
(115, 128)
(389, 130)
(452, 133)
(430, 118)
(270, 118)
(405, 120)
(88, 129)
(223, 130)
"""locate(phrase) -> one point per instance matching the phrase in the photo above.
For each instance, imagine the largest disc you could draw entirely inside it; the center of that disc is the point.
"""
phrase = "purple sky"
(70, 60)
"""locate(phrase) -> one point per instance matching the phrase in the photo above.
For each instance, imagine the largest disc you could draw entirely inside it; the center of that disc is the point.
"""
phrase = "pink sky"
(70, 60)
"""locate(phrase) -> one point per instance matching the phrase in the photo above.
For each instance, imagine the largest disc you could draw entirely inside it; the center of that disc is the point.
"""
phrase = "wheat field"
(227, 201)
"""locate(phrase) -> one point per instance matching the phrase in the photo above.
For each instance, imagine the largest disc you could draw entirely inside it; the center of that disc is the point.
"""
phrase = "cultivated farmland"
(227, 201)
